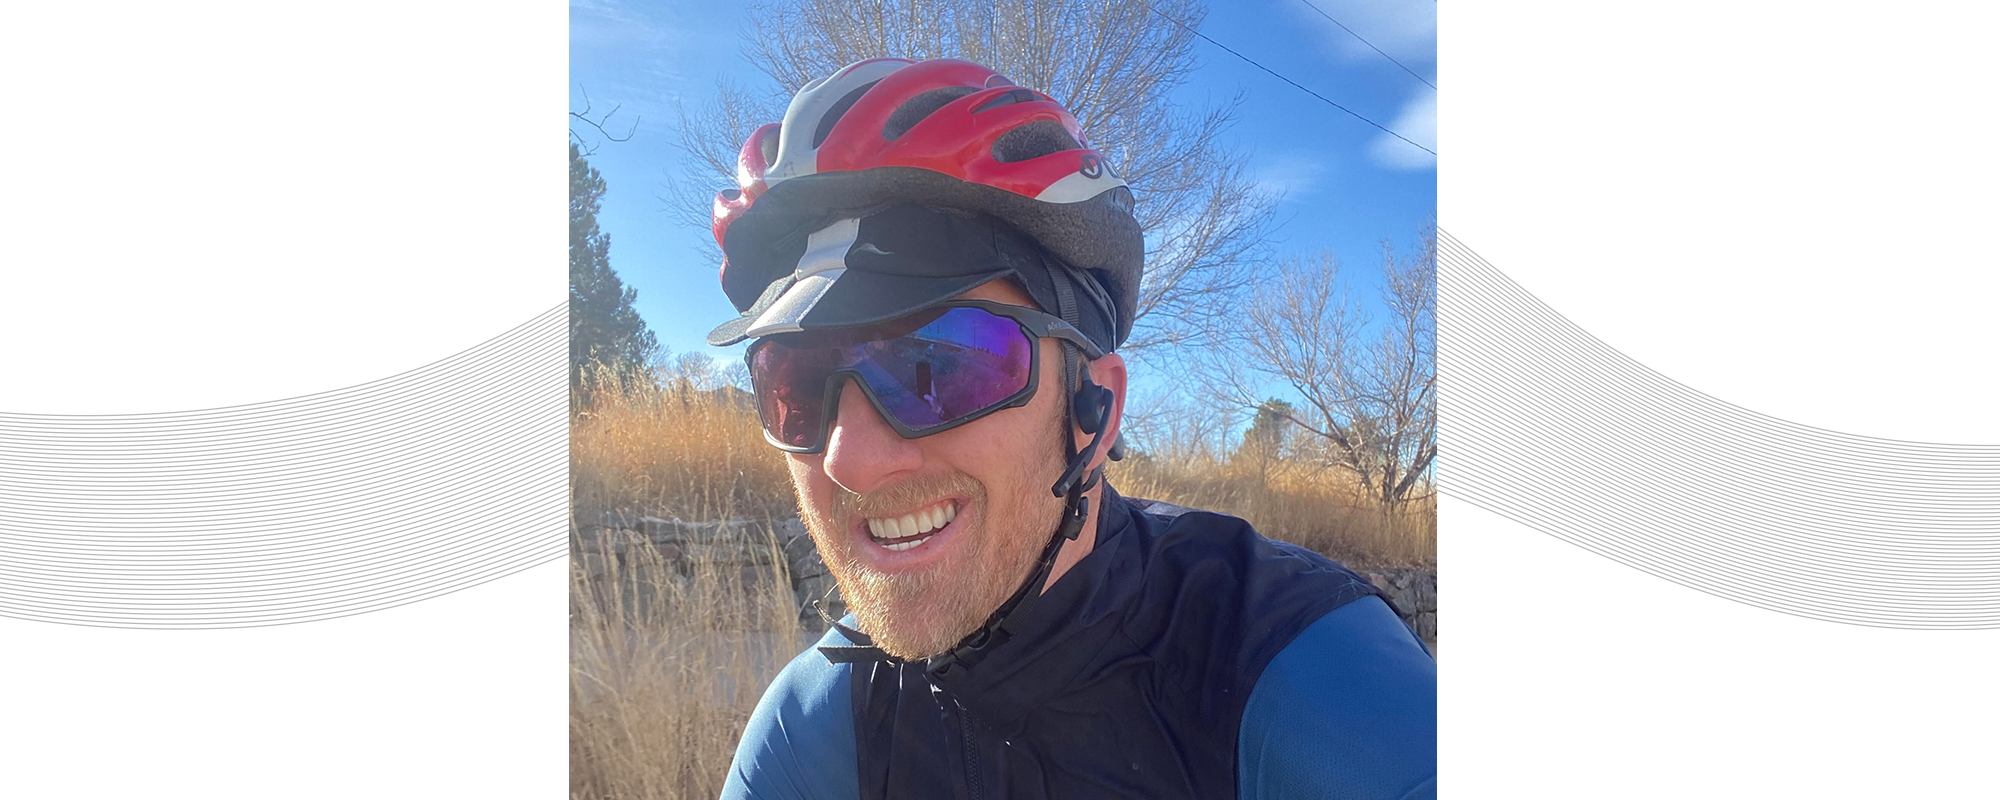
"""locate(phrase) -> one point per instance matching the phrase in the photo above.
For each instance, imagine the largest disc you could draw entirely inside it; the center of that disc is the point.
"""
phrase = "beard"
(918, 613)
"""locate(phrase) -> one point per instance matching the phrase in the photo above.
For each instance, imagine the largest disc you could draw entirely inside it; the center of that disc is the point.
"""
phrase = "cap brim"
(845, 298)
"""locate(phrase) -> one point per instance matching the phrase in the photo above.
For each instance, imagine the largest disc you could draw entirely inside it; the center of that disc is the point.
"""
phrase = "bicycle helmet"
(892, 184)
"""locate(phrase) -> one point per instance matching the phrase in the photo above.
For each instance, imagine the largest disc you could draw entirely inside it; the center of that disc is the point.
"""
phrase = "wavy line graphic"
(1546, 425)
(310, 508)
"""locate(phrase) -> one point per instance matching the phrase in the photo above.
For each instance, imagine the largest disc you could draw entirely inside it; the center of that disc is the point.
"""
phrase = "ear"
(1109, 373)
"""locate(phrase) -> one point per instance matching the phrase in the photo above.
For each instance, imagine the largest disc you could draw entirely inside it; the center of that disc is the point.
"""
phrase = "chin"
(917, 613)
(913, 634)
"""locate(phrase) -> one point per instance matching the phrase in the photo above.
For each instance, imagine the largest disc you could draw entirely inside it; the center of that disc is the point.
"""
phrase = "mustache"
(904, 496)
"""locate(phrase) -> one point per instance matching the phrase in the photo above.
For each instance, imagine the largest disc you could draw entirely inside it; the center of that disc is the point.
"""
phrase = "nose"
(863, 453)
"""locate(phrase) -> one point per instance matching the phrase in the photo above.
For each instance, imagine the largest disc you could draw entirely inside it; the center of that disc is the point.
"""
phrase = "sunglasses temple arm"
(1043, 325)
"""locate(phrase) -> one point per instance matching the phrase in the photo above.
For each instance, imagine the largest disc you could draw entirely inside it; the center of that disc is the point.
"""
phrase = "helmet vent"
(915, 109)
(1033, 140)
(1122, 198)
(1008, 98)
(838, 110)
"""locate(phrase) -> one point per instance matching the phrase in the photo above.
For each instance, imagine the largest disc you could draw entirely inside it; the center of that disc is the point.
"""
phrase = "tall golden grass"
(675, 448)
(668, 657)
(1319, 509)
(666, 661)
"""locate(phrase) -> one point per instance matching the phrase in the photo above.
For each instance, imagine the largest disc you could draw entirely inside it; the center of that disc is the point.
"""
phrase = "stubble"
(915, 614)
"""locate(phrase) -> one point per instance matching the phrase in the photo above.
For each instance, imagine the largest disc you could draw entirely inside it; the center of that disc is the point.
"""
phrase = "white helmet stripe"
(796, 154)
(1077, 187)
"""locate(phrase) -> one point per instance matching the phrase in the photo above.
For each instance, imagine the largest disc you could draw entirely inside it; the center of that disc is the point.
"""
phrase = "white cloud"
(1416, 122)
(1294, 174)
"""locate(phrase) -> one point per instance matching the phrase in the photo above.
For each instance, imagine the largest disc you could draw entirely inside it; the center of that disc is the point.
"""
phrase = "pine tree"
(1265, 441)
(603, 326)
(1269, 430)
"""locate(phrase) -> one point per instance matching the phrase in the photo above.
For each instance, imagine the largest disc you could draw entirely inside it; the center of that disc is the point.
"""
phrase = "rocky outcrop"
(749, 551)
(1413, 592)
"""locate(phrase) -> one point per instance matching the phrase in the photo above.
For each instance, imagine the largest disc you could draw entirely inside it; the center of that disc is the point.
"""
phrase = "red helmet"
(945, 134)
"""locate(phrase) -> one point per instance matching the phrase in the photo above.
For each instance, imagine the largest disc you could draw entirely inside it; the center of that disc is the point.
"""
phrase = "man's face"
(919, 596)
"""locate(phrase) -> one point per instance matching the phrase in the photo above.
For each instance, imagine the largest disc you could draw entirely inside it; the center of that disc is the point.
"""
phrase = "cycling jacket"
(1185, 656)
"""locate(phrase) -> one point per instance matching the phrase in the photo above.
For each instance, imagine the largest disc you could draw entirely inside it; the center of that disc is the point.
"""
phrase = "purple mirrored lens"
(791, 389)
(959, 364)
(962, 363)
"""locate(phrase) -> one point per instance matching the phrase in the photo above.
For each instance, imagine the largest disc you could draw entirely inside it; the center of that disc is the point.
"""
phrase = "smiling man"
(936, 268)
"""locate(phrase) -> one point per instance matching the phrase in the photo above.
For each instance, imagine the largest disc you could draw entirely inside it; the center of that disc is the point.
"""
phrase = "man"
(936, 269)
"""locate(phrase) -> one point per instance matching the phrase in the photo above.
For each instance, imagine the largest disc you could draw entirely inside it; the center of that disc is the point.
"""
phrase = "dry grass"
(1317, 509)
(668, 657)
(666, 661)
(685, 451)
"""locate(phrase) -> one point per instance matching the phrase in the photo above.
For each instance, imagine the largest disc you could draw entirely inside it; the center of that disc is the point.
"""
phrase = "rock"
(807, 565)
(798, 546)
(1423, 594)
(1426, 626)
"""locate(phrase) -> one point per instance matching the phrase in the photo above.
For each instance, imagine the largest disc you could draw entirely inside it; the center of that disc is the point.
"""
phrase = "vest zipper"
(971, 754)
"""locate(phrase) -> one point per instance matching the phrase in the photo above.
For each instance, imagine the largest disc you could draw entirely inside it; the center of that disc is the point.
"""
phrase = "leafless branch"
(597, 124)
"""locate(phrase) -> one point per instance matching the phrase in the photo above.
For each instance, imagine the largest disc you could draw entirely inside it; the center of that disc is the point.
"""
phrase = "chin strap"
(999, 627)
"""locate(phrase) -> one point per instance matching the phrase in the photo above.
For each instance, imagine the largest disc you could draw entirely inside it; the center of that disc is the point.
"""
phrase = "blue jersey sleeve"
(799, 742)
(1347, 711)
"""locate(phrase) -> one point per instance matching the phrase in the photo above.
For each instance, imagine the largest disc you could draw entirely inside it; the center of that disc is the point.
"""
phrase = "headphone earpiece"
(1089, 405)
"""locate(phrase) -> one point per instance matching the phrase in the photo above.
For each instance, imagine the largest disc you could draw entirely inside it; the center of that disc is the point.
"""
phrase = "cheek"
(1008, 455)
(809, 482)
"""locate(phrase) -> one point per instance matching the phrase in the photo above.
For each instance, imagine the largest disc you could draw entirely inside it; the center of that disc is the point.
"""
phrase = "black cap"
(888, 263)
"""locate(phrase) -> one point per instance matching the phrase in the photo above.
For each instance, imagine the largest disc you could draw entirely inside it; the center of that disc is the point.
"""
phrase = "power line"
(1295, 84)
(1371, 46)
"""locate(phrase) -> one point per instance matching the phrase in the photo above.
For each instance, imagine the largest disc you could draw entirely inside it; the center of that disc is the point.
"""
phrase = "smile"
(910, 530)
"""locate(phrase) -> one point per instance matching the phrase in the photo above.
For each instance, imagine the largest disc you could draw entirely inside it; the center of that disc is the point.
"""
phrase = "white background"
(1785, 206)
(213, 203)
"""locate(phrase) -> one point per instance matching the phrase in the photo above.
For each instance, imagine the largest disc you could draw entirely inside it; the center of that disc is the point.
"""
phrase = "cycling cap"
(892, 185)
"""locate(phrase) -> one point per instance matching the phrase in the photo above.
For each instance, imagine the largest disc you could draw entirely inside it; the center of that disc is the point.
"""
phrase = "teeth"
(912, 524)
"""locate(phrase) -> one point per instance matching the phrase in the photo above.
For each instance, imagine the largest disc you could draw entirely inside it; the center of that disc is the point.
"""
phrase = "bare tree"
(1180, 429)
(1112, 63)
(1369, 404)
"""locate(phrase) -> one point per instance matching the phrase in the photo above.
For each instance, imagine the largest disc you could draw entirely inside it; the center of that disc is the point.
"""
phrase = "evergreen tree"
(1267, 437)
(603, 326)
(1267, 433)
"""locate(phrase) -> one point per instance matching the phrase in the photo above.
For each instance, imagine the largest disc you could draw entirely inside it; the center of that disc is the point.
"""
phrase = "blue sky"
(1347, 185)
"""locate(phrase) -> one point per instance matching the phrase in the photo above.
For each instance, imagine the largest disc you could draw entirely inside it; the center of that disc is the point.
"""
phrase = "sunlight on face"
(998, 469)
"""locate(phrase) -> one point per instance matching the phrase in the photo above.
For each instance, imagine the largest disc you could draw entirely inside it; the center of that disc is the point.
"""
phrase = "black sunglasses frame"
(1035, 324)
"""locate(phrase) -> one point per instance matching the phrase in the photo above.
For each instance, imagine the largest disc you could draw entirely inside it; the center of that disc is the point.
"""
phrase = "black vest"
(1127, 678)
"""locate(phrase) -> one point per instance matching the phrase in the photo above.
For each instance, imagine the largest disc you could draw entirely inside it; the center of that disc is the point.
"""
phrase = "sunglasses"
(926, 373)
